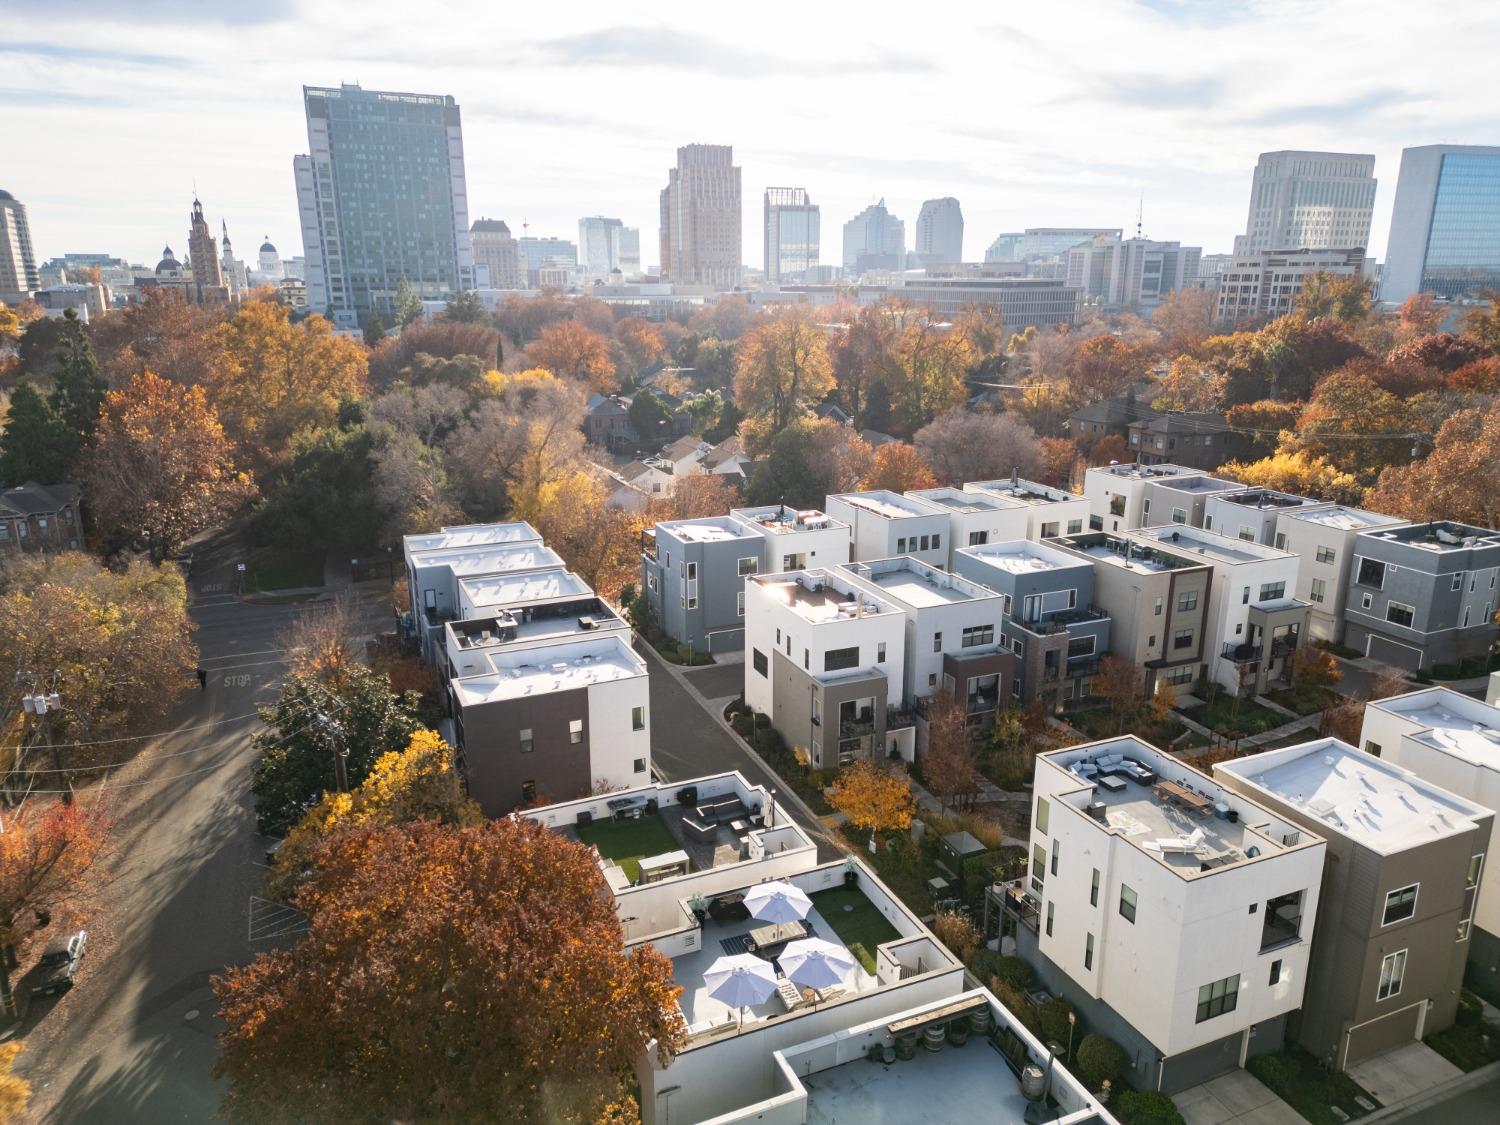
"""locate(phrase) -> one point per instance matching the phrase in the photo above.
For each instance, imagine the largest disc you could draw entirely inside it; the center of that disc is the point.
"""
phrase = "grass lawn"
(1247, 717)
(1302, 702)
(1101, 722)
(276, 571)
(626, 841)
(862, 925)
(1309, 1089)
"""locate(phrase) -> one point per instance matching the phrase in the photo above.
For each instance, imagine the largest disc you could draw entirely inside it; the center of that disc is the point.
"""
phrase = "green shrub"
(1276, 1071)
(1014, 972)
(1053, 1016)
(1100, 1059)
(1015, 1002)
(985, 963)
(743, 725)
(768, 744)
(1147, 1107)
(1470, 1010)
(762, 721)
(862, 955)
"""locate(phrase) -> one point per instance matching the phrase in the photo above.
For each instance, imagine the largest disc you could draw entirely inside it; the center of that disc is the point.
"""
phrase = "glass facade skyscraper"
(382, 198)
(792, 234)
(1445, 228)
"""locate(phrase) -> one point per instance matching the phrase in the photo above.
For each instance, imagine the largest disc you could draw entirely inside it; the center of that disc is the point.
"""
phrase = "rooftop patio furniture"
(729, 908)
(1111, 783)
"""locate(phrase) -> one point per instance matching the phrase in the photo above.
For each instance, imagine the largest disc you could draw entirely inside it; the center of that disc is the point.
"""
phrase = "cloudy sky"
(1055, 113)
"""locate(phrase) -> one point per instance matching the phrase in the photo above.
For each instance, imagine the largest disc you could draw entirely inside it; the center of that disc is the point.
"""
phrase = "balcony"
(1062, 619)
(1278, 931)
(856, 728)
(1082, 666)
(1242, 654)
(899, 718)
(1283, 646)
(648, 543)
(982, 702)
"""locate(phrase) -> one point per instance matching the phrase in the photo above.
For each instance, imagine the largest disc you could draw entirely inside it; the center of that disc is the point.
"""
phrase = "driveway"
(1403, 1072)
(718, 681)
(1236, 1098)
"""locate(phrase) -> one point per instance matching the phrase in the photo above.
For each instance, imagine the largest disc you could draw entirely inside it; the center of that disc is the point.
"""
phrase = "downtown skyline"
(1043, 119)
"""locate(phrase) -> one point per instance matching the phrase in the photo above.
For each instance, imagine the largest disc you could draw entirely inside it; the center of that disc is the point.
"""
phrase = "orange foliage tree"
(898, 467)
(473, 974)
(951, 764)
(874, 797)
(1459, 480)
(572, 351)
(781, 369)
(162, 469)
(1058, 456)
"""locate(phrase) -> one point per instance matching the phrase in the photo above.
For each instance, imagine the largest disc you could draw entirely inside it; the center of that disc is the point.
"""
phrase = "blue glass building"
(1445, 229)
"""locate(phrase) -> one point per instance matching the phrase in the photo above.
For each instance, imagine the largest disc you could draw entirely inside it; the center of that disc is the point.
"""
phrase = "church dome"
(169, 262)
(267, 248)
(5, 194)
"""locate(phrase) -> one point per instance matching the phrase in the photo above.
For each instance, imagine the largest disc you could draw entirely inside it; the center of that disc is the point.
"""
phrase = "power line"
(1225, 428)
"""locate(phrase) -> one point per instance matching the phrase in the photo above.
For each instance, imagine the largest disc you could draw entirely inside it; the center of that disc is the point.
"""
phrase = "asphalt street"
(134, 1040)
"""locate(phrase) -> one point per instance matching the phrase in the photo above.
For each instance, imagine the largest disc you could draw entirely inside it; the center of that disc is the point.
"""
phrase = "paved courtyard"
(1236, 1098)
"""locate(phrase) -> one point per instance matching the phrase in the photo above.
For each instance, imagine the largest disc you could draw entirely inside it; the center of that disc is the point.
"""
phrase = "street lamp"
(1072, 1021)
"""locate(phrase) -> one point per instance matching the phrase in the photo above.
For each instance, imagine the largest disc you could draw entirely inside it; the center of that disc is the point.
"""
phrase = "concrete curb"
(1417, 1103)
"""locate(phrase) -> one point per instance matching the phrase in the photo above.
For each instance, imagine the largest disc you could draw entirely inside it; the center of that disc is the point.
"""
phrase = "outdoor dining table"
(1177, 794)
(779, 933)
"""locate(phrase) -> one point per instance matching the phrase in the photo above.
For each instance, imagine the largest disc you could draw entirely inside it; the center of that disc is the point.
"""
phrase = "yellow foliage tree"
(1300, 472)
(925, 378)
(418, 783)
(15, 1091)
(782, 368)
(575, 518)
(873, 797)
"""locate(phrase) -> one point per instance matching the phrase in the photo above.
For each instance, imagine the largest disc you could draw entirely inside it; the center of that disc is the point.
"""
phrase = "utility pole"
(340, 751)
(40, 703)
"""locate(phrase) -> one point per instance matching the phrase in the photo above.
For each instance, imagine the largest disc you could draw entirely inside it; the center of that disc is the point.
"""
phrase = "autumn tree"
(1355, 425)
(119, 641)
(950, 766)
(641, 343)
(963, 445)
(575, 518)
(419, 782)
(1419, 315)
(1482, 325)
(807, 461)
(322, 642)
(1185, 318)
(1260, 424)
(161, 469)
(15, 1091)
(925, 377)
(570, 351)
(1189, 384)
(728, 318)
(874, 797)
(1300, 473)
(275, 378)
(1108, 450)
(1441, 351)
(456, 944)
(162, 333)
(313, 723)
(1326, 295)
(898, 467)
(1121, 683)
(1459, 480)
(45, 851)
(1105, 366)
(1480, 377)
(1058, 456)
(695, 497)
(411, 483)
(781, 370)
(862, 354)
(1314, 671)
(440, 339)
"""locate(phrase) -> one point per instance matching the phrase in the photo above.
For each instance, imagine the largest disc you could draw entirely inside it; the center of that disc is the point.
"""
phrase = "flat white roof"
(1195, 541)
(888, 505)
(1346, 519)
(1023, 491)
(918, 585)
(469, 535)
(559, 667)
(1379, 805)
(498, 560)
(713, 529)
(1147, 472)
(961, 501)
(527, 586)
(778, 519)
(1021, 556)
(818, 596)
(1457, 724)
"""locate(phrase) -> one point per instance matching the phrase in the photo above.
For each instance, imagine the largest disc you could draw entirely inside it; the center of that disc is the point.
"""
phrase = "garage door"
(1391, 1031)
(1393, 652)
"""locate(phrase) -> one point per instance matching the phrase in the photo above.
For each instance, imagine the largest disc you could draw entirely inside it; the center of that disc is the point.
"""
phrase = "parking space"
(1236, 1098)
(718, 681)
(1403, 1072)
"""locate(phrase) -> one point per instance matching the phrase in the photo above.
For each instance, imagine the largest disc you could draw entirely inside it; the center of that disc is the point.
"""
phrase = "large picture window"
(1400, 905)
(837, 659)
(1392, 971)
(1371, 573)
(1217, 998)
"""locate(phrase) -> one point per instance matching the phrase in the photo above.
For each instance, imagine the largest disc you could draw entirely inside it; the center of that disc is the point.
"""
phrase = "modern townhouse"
(1452, 740)
(467, 643)
(693, 571)
(953, 635)
(802, 1054)
(1255, 514)
(693, 578)
(1175, 913)
(1126, 497)
(433, 578)
(1049, 511)
(1423, 594)
(34, 517)
(1255, 622)
(1324, 538)
(520, 590)
(975, 518)
(552, 719)
(1051, 624)
(884, 524)
(1157, 600)
(1397, 898)
(825, 661)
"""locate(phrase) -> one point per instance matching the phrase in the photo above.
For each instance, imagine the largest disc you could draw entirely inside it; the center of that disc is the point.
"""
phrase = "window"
(1182, 638)
(1392, 970)
(1043, 811)
(1280, 543)
(575, 731)
(1127, 904)
(524, 737)
(692, 572)
(1075, 526)
(650, 580)
(932, 679)
(640, 765)
(1056, 851)
(692, 601)
(748, 565)
(1015, 646)
(1096, 523)
(1049, 530)
(1245, 595)
(880, 653)
(1371, 573)
(925, 540)
(1247, 533)
(1270, 591)
(836, 659)
(1275, 973)
(1365, 600)
(739, 604)
(637, 718)
(1179, 515)
(1157, 611)
(1319, 587)
(1050, 906)
(978, 538)
(1372, 748)
(1094, 889)
(937, 642)
(976, 635)
(1081, 646)
(1038, 866)
(1088, 951)
(1326, 555)
(1471, 878)
(1398, 614)
(806, 659)
(1186, 674)
(1187, 600)
(778, 636)
(900, 546)
(937, 542)
(1072, 599)
(1400, 905)
(759, 659)
(1217, 998)
(1117, 505)
(1458, 581)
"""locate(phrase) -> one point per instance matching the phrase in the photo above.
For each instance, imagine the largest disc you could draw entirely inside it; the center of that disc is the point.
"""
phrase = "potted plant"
(699, 906)
(851, 873)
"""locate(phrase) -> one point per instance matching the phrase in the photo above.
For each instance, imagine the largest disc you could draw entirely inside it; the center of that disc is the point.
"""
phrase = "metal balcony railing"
(1242, 654)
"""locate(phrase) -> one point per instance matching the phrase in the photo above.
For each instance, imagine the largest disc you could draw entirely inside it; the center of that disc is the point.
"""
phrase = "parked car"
(59, 964)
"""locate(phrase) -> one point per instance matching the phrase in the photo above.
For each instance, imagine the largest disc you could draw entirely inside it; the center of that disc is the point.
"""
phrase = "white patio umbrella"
(739, 980)
(815, 963)
(777, 902)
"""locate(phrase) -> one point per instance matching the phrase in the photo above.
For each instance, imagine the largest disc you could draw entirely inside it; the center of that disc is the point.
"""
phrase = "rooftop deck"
(1267, 499)
(1345, 519)
(817, 598)
(1190, 541)
(1441, 536)
(1024, 491)
(778, 519)
(917, 585)
(887, 505)
(1129, 554)
(567, 666)
(1457, 724)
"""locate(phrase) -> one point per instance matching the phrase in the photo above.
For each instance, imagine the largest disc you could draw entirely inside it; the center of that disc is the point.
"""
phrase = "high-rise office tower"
(700, 218)
(599, 246)
(18, 272)
(549, 253)
(1445, 228)
(1309, 201)
(874, 240)
(630, 251)
(383, 197)
(203, 256)
(496, 254)
(940, 231)
(791, 234)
